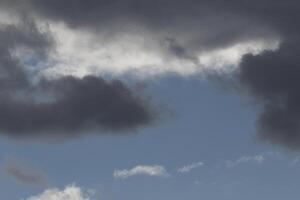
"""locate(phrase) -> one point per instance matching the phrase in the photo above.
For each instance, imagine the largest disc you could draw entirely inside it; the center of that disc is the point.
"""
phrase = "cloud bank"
(147, 38)
(256, 41)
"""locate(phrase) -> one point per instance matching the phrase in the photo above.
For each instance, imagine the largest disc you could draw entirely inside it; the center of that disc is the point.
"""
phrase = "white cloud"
(148, 170)
(71, 192)
(188, 168)
(246, 159)
(139, 52)
(134, 50)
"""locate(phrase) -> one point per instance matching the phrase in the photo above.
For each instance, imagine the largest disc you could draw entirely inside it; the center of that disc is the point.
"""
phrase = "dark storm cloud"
(26, 34)
(213, 23)
(62, 107)
(272, 77)
(75, 105)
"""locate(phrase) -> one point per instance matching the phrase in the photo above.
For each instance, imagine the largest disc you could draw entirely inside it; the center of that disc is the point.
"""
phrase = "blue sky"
(207, 125)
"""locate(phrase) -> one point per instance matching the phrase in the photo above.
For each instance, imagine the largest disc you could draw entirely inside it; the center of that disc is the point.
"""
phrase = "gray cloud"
(65, 106)
(201, 24)
(272, 78)
(77, 105)
(23, 35)
(180, 52)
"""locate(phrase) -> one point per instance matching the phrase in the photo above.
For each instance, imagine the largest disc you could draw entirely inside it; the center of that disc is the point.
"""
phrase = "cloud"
(182, 33)
(258, 159)
(188, 168)
(90, 103)
(36, 106)
(272, 78)
(257, 40)
(71, 192)
(24, 173)
(147, 170)
(24, 35)
(129, 37)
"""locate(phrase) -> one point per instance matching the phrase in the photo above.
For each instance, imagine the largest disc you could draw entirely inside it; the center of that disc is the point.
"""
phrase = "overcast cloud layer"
(256, 40)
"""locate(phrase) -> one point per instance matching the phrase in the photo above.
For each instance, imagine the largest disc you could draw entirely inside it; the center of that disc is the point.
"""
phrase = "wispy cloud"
(148, 170)
(246, 159)
(189, 167)
(24, 173)
(295, 161)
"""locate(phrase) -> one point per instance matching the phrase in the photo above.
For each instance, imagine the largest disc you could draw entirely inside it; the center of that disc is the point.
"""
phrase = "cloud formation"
(189, 167)
(66, 106)
(256, 40)
(147, 38)
(71, 192)
(90, 103)
(273, 79)
(246, 159)
(147, 170)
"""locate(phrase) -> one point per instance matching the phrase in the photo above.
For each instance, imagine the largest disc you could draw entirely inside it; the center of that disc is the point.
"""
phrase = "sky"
(140, 99)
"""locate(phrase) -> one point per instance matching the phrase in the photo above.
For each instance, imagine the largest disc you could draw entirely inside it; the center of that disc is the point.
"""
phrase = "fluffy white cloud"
(149, 170)
(246, 159)
(71, 192)
(189, 167)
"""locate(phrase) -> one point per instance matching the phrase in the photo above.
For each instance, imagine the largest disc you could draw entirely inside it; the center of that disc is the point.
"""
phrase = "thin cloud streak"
(146, 170)
(257, 159)
(190, 167)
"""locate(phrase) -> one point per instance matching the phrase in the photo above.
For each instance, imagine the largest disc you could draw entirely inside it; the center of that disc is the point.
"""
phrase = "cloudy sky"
(140, 99)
